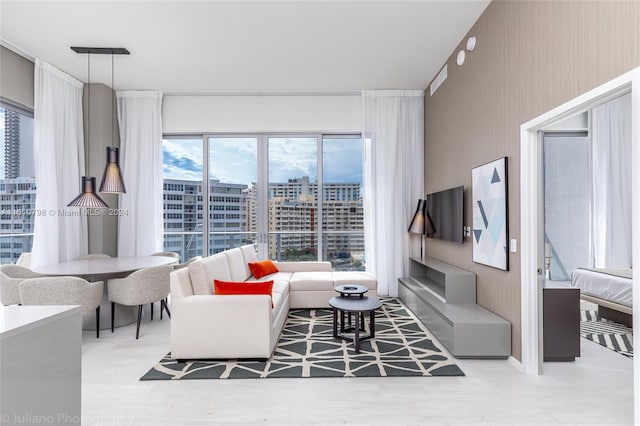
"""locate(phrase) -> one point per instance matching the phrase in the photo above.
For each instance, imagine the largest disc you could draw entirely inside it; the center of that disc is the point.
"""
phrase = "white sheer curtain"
(140, 120)
(611, 218)
(393, 179)
(59, 165)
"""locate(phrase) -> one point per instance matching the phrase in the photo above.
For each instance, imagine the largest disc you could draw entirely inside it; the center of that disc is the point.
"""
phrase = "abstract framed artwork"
(490, 215)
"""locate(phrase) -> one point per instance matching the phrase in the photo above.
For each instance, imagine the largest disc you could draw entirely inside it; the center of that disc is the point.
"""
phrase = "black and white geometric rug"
(306, 348)
(610, 334)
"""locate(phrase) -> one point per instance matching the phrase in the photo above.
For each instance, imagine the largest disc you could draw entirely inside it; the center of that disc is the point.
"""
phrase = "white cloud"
(292, 158)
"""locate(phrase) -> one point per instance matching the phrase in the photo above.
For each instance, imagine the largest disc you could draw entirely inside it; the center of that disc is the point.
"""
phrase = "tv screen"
(444, 209)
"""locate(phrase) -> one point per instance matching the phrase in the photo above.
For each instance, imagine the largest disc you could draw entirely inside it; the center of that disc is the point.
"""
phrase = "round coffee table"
(360, 307)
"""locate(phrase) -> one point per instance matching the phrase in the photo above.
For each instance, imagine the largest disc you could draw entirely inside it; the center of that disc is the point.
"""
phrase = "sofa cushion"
(250, 255)
(314, 281)
(281, 287)
(203, 272)
(236, 264)
(355, 277)
(262, 268)
(278, 276)
(276, 300)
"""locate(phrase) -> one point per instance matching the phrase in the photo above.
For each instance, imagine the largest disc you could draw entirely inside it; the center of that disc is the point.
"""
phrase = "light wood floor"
(595, 390)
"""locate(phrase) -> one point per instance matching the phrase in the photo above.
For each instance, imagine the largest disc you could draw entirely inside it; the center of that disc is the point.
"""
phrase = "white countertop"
(16, 319)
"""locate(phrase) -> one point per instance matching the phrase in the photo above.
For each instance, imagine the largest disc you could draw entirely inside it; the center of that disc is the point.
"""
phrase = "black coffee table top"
(355, 304)
(351, 289)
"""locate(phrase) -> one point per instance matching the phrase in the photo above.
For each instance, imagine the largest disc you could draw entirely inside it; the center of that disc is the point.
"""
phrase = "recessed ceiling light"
(460, 58)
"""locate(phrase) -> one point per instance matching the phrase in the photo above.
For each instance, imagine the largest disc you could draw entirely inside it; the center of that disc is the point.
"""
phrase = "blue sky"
(233, 160)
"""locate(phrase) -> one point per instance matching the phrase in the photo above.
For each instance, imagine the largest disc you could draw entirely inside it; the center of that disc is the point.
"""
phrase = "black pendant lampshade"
(112, 182)
(88, 197)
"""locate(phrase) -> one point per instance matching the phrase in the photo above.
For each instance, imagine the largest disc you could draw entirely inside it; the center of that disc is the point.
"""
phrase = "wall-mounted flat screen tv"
(444, 209)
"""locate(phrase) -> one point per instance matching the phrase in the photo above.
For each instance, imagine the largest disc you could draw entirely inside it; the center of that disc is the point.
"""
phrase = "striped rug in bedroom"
(609, 334)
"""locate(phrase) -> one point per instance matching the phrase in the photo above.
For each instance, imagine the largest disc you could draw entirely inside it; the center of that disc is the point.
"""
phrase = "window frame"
(262, 184)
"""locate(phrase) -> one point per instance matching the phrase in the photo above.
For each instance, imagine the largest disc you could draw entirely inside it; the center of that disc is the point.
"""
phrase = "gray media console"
(443, 297)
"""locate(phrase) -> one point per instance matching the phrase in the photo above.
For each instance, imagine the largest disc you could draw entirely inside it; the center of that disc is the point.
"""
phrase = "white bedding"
(604, 286)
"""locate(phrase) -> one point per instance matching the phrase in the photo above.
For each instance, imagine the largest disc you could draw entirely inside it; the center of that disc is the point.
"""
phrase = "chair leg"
(161, 308)
(163, 304)
(113, 314)
(98, 322)
(139, 319)
(151, 311)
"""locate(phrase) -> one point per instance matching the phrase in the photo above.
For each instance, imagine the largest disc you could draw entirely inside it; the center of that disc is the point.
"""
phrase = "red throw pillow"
(263, 268)
(249, 287)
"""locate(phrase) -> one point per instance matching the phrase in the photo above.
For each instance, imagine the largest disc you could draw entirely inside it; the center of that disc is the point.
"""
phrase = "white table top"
(17, 319)
(103, 266)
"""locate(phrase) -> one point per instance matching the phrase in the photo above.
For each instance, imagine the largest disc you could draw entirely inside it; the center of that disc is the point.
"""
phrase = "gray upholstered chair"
(63, 291)
(147, 285)
(185, 264)
(93, 256)
(176, 256)
(10, 278)
(24, 260)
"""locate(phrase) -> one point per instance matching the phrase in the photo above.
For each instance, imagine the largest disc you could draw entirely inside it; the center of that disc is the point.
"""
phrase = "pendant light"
(112, 182)
(88, 197)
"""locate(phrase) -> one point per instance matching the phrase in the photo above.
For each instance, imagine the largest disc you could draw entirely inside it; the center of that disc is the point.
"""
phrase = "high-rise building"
(17, 215)
(293, 219)
(11, 144)
(183, 208)
(294, 216)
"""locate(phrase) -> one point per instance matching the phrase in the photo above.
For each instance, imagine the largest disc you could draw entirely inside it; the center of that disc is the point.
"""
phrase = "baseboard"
(517, 364)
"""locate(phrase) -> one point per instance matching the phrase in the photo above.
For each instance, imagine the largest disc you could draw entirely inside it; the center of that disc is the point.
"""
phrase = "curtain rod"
(349, 93)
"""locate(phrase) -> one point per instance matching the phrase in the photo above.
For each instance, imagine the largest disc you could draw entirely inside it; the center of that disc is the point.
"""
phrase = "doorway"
(532, 243)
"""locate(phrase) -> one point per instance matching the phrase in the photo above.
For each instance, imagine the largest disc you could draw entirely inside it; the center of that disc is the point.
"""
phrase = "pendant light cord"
(112, 102)
(86, 153)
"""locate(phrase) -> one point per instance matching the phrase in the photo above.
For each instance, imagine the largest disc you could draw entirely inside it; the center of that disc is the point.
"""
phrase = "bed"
(610, 289)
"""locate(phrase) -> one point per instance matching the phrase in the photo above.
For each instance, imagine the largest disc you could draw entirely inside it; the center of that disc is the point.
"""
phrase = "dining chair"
(64, 291)
(93, 256)
(187, 263)
(10, 278)
(176, 265)
(176, 256)
(144, 286)
(24, 260)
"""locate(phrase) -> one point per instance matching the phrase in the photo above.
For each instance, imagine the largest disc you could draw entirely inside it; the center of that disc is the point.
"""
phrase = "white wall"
(256, 113)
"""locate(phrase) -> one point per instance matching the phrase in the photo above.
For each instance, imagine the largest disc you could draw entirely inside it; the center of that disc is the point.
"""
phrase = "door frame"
(531, 208)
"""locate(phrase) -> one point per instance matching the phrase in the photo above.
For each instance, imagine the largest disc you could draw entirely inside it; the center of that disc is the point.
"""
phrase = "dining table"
(103, 269)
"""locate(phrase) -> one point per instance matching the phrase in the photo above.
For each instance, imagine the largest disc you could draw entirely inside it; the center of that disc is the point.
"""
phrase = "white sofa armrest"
(304, 266)
(228, 326)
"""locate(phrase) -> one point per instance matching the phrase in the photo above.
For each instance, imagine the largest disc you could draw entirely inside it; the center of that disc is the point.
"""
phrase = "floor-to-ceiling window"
(17, 184)
(233, 168)
(342, 207)
(183, 196)
(293, 198)
(297, 197)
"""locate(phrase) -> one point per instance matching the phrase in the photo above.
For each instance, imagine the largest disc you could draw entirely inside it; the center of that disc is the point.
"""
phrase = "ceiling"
(248, 47)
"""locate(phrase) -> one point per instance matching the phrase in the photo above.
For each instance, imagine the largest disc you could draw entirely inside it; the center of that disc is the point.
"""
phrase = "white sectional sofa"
(205, 325)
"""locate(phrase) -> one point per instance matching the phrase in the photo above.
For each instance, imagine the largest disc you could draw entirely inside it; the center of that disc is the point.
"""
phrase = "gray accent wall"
(103, 230)
(16, 79)
(530, 57)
